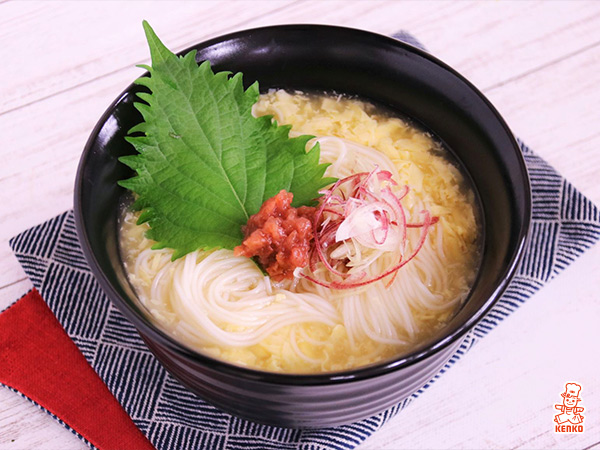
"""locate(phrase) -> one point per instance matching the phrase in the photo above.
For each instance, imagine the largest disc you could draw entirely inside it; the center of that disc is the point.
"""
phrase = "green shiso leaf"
(204, 163)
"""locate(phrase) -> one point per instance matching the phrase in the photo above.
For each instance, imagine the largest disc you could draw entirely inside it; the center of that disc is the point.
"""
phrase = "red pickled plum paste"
(279, 235)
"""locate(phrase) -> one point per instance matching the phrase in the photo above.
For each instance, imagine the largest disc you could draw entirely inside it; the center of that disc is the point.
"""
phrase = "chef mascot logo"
(569, 420)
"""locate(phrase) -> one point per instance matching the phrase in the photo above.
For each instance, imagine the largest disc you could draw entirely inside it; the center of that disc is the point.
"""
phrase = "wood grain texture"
(538, 62)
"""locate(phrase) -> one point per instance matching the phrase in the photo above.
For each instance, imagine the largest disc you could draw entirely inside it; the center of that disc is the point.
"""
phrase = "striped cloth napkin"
(564, 225)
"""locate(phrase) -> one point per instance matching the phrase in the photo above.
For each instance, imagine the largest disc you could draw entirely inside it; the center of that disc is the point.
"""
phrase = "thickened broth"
(226, 306)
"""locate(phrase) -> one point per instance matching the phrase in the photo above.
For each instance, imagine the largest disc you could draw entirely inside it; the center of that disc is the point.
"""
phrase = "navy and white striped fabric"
(565, 224)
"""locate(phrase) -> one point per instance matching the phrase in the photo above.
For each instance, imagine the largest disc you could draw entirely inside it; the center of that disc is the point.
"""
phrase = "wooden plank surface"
(539, 64)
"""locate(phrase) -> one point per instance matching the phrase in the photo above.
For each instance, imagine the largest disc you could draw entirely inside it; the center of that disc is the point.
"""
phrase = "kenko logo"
(570, 419)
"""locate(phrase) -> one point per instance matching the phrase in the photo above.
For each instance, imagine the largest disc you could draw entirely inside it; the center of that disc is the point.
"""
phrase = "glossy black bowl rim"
(150, 331)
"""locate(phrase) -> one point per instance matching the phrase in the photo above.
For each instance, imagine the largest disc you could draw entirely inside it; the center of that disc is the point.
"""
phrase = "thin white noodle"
(221, 300)
(298, 351)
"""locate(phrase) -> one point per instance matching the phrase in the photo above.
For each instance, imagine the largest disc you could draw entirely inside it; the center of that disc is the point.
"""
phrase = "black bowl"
(374, 67)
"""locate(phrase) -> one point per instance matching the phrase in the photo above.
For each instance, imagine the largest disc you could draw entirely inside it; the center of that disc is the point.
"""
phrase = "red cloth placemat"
(39, 359)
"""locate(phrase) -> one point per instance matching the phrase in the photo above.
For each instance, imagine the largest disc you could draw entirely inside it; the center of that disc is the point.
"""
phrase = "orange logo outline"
(569, 420)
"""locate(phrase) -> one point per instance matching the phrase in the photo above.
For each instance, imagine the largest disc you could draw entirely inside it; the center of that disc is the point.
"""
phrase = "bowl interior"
(352, 62)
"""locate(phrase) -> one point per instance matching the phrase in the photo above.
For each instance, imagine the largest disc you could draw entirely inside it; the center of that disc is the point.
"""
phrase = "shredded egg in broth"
(224, 306)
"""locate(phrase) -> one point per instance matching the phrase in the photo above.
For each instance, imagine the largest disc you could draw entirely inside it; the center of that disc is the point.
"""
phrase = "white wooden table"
(62, 63)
